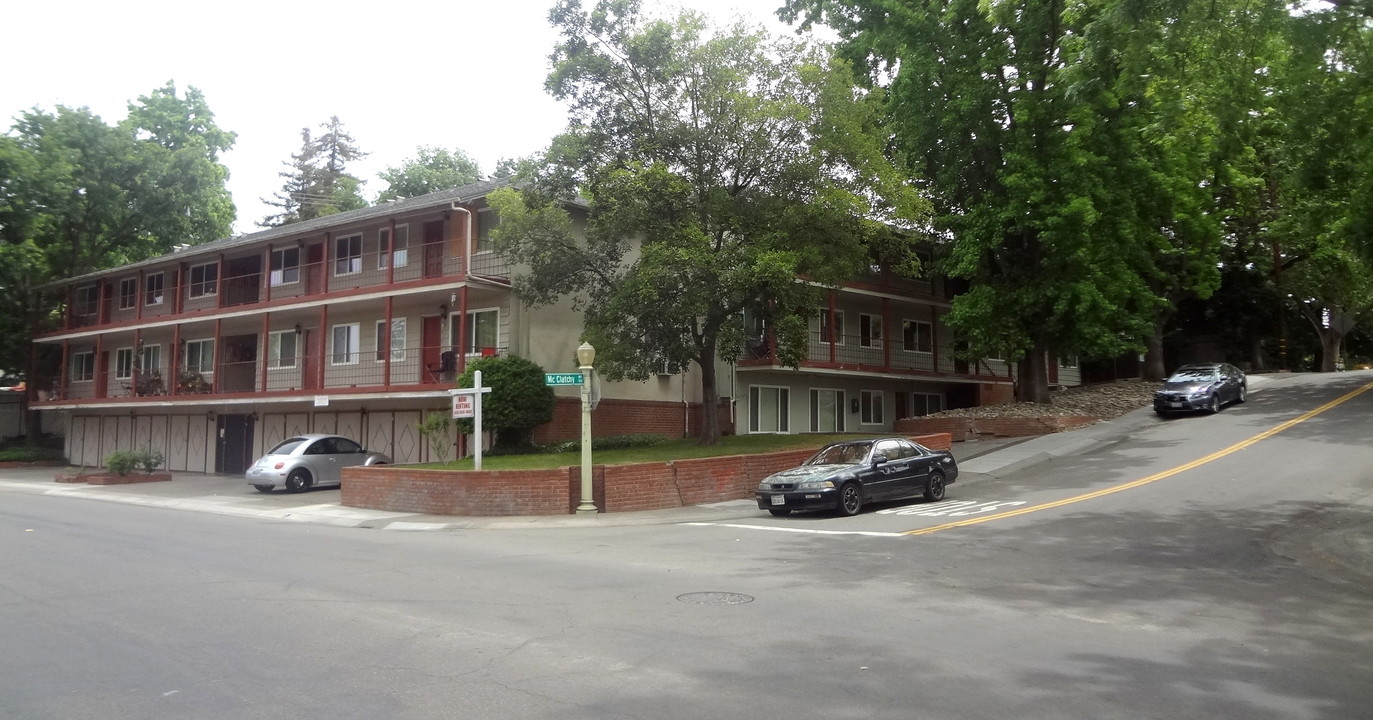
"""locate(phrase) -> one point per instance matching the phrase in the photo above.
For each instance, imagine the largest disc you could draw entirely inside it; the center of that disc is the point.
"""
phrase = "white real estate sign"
(467, 403)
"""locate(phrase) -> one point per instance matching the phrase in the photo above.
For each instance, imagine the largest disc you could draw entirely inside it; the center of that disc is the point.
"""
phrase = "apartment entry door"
(234, 448)
(433, 249)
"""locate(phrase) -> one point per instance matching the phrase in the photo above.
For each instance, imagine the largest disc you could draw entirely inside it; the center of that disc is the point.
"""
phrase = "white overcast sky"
(456, 74)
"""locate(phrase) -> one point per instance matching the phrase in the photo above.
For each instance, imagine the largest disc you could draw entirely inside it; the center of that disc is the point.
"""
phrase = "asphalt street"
(1201, 567)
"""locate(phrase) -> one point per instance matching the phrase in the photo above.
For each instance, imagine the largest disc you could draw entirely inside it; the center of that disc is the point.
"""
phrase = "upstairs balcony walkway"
(168, 292)
(411, 369)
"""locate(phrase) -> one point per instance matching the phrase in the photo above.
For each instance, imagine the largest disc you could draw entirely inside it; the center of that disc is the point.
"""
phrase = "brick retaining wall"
(627, 417)
(968, 428)
(617, 488)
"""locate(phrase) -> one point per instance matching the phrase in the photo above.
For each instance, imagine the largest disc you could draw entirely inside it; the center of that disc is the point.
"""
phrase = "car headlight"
(1200, 393)
(816, 485)
(765, 486)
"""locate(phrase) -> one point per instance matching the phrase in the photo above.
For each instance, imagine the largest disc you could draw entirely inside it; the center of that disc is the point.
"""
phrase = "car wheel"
(264, 488)
(1244, 394)
(1213, 405)
(934, 490)
(1163, 414)
(850, 499)
(298, 481)
(779, 512)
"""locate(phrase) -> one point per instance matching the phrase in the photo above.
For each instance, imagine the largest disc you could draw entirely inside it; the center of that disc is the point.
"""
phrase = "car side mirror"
(878, 459)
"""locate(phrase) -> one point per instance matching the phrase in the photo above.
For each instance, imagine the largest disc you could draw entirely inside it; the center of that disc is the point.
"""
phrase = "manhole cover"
(716, 598)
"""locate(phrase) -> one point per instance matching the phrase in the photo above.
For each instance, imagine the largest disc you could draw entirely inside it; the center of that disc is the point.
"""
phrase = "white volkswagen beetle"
(305, 461)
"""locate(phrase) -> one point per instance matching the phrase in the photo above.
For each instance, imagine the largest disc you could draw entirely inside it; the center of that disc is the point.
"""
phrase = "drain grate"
(715, 598)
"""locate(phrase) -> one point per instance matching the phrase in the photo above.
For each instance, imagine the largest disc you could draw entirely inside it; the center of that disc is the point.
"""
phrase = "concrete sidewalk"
(231, 495)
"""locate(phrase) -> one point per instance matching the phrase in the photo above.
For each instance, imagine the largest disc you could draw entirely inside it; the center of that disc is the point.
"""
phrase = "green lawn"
(670, 450)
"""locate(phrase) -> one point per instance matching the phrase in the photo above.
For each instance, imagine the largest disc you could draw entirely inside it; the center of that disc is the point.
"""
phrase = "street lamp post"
(586, 355)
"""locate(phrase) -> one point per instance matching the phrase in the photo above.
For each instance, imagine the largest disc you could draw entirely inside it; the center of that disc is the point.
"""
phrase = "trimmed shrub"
(149, 460)
(30, 453)
(122, 462)
(519, 400)
(610, 442)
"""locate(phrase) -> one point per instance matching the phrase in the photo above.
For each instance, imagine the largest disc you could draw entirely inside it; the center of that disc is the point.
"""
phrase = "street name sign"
(562, 378)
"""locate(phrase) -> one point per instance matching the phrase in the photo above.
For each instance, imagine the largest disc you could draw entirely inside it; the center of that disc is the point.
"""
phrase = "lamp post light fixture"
(586, 355)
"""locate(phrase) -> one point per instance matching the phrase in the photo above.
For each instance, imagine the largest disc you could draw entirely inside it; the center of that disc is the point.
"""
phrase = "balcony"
(914, 355)
(411, 369)
(245, 284)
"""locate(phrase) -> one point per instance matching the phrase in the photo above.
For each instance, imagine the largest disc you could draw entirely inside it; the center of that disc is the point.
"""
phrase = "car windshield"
(287, 446)
(846, 454)
(1193, 375)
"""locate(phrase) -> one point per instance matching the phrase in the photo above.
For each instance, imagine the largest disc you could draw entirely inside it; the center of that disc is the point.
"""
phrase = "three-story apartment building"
(358, 323)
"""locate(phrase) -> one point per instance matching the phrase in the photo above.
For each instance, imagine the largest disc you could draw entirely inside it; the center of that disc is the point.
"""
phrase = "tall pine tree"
(318, 182)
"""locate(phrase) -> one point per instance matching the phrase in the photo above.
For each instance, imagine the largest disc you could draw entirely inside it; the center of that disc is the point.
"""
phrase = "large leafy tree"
(78, 195)
(1066, 179)
(91, 195)
(720, 167)
(1294, 167)
(1326, 176)
(1243, 47)
(317, 181)
(431, 170)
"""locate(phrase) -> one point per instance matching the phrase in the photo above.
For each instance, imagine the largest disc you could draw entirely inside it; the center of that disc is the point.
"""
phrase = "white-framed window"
(285, 266)
(87, 300)
(150, 359)
(204, 280)
(402, 247)
(346, 346)
(487, 220)
(483, 330)
(200, 356)
(123, 363)
(870, 407)
(1068, 362)
(926, 404)
(397, 339)
(348, 255)
(128, 293)
(917, 336)
(826, 410)
(152, 289)
(832, 334)
(869, 330)
(282, 348)
(82, 367)
(769, 409)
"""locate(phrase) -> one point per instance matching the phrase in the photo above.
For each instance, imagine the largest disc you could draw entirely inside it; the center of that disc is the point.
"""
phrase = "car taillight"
(279, 466)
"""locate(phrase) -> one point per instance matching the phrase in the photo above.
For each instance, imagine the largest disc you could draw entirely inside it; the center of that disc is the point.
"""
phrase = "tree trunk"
(1034, 375)
(1331, 341)
(1153, 354)
(710, 395)
(1257, 361)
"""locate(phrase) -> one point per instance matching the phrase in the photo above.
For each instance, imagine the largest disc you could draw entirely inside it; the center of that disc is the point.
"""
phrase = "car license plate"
(1174, 404)
(779, 499)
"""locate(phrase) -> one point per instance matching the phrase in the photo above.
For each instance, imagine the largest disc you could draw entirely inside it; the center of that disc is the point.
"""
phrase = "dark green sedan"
(845, 476)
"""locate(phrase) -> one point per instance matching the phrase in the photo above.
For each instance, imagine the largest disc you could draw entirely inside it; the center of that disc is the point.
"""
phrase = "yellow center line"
(1152, 478)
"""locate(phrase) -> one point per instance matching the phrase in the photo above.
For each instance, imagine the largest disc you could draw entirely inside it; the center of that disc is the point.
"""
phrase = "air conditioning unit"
(665, 369)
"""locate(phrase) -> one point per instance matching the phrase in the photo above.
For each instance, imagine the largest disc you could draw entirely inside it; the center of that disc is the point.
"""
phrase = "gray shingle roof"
(439, 199)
